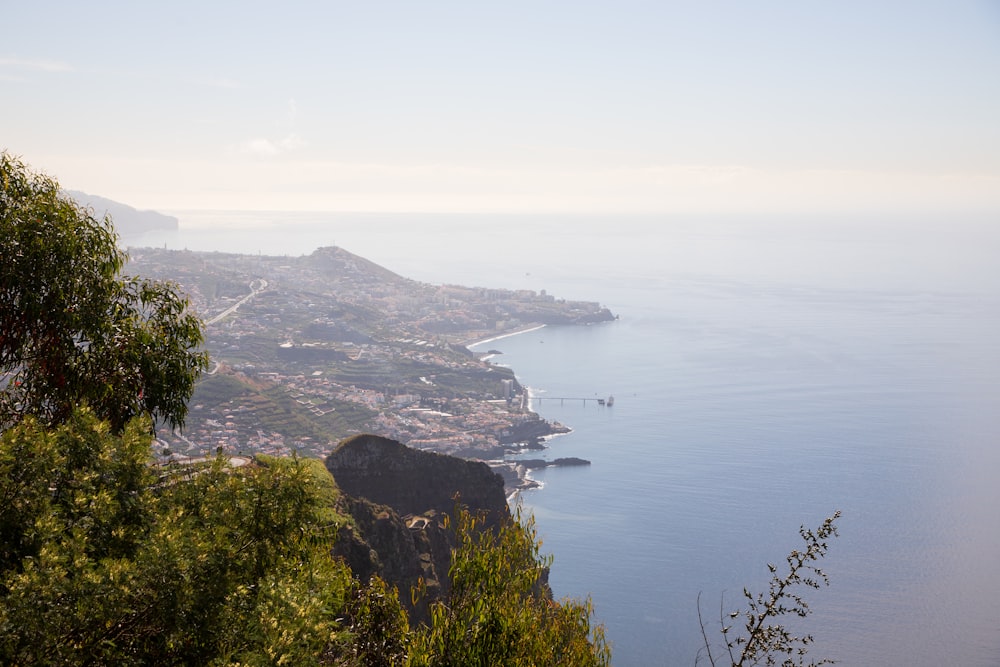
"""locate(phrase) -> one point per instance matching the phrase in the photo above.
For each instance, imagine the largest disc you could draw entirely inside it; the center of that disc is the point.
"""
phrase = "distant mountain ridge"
(127, 220)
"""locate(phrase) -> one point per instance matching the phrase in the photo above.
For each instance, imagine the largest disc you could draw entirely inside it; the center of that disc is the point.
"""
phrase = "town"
(308, 350)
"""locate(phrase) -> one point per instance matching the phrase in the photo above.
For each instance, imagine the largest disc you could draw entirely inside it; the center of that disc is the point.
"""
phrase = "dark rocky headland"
(398, 497)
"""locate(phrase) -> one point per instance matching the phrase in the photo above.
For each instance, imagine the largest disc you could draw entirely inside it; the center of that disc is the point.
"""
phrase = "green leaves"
(72, 330)
(77, 476)
(499, 611)
(108, 560)
(105, 562)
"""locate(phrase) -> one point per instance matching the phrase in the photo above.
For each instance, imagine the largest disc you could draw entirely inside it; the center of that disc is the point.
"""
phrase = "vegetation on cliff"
(111, 561)
(108, 560)
(498, 611)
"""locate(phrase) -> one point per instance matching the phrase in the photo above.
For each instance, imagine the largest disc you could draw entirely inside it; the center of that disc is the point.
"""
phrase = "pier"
(610, 400)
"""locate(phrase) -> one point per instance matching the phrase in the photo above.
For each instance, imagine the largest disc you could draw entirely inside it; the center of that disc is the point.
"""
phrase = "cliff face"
(413, 482)
(401, 551)
(398, 498)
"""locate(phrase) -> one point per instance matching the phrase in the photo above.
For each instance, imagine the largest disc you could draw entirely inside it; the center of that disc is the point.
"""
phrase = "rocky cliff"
(398, 498)
(413, 482)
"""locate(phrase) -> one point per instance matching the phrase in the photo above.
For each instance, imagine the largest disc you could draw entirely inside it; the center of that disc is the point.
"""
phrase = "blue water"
(765, 374)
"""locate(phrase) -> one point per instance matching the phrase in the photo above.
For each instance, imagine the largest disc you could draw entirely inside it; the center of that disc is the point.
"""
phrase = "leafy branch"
(764, 640)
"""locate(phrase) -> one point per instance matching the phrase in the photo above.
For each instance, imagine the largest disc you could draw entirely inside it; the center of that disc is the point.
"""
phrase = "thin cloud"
(262, 147)
(35, 65)
(268, 148)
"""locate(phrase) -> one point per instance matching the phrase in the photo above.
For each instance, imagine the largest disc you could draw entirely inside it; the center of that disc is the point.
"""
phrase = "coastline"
(515, 472)
(516, 465)
(532, 327)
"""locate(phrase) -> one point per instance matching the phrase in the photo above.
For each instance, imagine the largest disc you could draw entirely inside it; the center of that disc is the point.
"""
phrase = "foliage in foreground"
(499, 611)
(105, 559)
(765, 640)
(103, 563)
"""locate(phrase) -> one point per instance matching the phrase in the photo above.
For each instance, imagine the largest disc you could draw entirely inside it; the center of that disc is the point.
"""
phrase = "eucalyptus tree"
(73, 329)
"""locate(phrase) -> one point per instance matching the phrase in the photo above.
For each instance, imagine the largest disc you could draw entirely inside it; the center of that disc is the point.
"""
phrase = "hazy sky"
(510, 106)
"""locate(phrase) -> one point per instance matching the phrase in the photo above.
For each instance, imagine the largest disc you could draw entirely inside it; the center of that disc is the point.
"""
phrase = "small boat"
(611, 401)
(600, 401)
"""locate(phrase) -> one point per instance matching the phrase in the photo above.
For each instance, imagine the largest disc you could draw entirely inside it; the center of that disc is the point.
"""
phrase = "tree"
(766, 640)
(105, 561)
(75, 478)
(72, 329)
(499, 610)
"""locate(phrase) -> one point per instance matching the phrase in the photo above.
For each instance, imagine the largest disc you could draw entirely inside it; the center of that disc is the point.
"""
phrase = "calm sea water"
(765, 374)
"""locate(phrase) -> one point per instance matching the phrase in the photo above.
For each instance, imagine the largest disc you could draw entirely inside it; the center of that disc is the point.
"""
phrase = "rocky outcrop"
(402, 551)
(398, 498)
(529, 434)
(413, 482)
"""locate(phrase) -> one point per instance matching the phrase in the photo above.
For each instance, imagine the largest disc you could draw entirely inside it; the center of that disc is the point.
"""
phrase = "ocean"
(765, 373)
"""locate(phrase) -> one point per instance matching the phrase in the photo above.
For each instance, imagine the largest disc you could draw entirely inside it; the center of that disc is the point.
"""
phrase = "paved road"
(261, 285)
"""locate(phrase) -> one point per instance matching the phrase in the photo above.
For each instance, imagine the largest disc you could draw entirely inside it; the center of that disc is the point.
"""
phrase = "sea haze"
(765, 374)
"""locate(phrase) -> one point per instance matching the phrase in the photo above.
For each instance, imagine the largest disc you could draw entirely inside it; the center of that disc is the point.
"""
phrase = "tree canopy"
(73, 330)
(499, 610)
(107, 560)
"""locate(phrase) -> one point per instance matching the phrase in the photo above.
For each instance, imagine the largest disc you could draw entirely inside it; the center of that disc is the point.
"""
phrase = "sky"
(510, 107)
